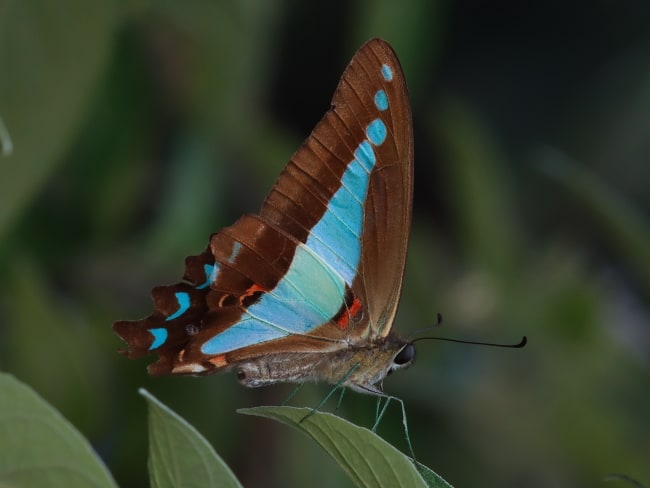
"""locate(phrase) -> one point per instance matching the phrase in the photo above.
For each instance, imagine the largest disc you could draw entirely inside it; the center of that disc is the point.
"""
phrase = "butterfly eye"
(405, 356)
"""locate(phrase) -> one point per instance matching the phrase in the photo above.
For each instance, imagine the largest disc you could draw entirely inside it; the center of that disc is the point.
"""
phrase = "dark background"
(139, 128)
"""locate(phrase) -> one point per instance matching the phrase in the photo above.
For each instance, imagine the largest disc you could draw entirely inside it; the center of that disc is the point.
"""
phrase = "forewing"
(347, 192)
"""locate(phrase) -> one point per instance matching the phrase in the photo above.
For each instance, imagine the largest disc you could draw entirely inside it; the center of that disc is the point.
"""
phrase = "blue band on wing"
(244, 333)
(365, 155)
(312, 290)
(308, 295)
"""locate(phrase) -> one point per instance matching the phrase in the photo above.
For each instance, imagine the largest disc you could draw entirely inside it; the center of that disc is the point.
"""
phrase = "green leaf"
(365, 457)
(432, 478)
(179, 455)
(40, 448)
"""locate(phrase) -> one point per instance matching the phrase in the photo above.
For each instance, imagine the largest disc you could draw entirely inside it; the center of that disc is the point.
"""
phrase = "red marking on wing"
(219, 361)
(228, 300)
(352, 311)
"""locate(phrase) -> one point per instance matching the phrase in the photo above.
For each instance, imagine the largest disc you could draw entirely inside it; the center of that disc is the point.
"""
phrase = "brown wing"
(303, 190)
(245, 263)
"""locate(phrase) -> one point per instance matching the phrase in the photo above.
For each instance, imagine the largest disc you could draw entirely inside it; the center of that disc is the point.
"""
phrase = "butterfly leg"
(338, 404)
(327, 397)
(381, 413)
(292, 394)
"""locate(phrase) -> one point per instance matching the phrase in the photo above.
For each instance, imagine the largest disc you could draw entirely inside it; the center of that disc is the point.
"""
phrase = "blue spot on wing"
(235, 251)
(210, 275)
(376, 132)
(381, 100)
(386, 72)
(183, 299)
(159, 337)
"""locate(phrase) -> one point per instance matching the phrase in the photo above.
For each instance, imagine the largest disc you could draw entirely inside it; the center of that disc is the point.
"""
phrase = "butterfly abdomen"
(359, 366)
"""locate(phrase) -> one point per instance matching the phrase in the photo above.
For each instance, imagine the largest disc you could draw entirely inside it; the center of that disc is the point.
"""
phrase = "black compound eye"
(405, 356)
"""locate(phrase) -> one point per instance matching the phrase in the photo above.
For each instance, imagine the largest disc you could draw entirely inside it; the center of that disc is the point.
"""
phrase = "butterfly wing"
(370, 122)
(322, 264)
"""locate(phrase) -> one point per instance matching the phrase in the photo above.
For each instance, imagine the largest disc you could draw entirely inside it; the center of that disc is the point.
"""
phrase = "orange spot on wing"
(250, 292)
(253, 289)
(219, 361)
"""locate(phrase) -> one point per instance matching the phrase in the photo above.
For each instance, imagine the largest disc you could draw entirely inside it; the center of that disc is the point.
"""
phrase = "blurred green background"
(139, 128)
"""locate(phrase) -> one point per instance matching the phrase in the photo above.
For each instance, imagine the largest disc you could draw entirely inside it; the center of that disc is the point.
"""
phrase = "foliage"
(367, 459)
(40, 448)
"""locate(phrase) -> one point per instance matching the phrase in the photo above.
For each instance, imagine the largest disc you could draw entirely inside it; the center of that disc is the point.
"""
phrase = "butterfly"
(307, 290)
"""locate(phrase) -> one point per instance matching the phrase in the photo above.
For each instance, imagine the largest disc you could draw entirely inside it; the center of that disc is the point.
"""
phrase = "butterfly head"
(370, 365)
(403, 359)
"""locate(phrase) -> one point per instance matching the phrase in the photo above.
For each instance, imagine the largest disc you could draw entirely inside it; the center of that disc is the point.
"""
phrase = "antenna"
(437, 324)
(519, 345)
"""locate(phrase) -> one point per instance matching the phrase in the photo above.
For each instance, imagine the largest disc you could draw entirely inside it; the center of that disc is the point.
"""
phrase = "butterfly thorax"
(359, 367)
